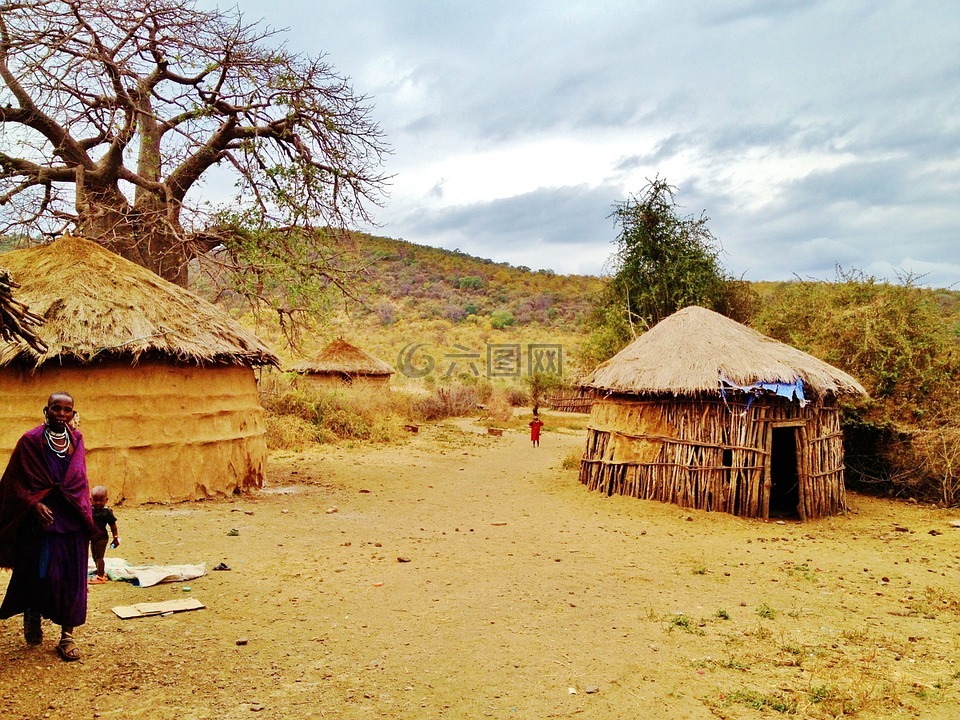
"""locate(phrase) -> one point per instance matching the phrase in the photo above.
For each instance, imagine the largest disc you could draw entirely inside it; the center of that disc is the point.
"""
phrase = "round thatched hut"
(341, 363)
(163, 380)
(704, 412)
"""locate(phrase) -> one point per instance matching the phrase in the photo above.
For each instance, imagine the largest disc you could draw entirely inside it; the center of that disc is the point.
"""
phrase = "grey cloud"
(549, 217)
(559, 215)
(870, 87)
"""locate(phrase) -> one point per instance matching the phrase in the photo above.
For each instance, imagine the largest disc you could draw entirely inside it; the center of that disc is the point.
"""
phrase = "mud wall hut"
(163, 381)
(341, 363)
(706, 413)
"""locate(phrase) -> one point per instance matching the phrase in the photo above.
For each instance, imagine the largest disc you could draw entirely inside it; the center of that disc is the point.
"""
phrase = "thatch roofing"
(340, 357)
(688, 352)
(97, 305)
(17, 321)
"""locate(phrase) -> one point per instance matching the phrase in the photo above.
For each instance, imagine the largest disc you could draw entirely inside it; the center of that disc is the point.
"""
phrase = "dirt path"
(461, 575)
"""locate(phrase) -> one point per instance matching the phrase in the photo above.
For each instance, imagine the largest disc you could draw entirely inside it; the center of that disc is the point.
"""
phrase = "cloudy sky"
(812, 134)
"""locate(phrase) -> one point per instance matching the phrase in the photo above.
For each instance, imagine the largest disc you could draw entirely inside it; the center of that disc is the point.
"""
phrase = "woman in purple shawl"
(45, 526)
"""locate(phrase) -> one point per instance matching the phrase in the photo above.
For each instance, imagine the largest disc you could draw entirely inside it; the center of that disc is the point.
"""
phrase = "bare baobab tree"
(112, 111)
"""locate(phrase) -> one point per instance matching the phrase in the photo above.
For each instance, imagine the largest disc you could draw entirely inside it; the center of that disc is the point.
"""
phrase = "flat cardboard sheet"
(125, 612)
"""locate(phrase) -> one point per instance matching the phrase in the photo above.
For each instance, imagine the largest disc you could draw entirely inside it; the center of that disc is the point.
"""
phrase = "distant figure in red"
(535, 426)
(45, 527)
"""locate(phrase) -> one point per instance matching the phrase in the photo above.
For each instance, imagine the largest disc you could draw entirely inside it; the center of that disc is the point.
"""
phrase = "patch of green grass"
(778, 702)
(723, 614)
(801, 570)
(766, 612)
(685, 623)
(681, 621)
(821, 693)
(731, 664)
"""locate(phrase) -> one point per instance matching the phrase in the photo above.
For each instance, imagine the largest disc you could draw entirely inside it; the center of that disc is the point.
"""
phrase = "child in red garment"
(535, 426)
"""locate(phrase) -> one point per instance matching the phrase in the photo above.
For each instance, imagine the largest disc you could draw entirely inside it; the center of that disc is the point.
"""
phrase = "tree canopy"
(113, 111)
(664, 261)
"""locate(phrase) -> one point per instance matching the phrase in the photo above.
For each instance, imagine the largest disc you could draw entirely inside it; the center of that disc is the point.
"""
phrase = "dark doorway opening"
(785, 489)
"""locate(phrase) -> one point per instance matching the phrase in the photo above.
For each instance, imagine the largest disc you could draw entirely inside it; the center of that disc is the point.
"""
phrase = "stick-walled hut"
(707, 413)
(341, 363)
(163, 380)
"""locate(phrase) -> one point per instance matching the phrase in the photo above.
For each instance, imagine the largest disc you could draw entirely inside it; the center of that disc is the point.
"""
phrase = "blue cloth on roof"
(790, 391)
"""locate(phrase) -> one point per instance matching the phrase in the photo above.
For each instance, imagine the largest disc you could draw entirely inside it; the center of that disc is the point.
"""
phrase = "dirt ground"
(462, 575)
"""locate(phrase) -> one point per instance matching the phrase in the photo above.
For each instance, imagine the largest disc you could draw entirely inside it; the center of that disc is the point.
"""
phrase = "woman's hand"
(45, 514)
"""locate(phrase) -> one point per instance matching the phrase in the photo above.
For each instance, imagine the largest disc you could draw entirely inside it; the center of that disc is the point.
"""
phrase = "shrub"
(298, 413)
(517, 397)
(571, 461)
(455, 401)
(289, 432)
(500, 319)
(894, 339)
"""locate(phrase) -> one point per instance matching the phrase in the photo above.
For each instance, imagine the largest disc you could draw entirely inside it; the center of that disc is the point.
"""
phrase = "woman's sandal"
(67, 649)
(32, 632)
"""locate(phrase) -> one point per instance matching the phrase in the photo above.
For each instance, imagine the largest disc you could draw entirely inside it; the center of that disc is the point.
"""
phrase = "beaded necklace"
(59, 443)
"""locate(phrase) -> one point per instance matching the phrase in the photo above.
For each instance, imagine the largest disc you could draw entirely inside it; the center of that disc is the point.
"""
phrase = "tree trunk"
(143, 234)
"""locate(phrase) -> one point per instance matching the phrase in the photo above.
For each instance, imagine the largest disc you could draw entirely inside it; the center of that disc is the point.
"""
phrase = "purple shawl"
(28, 480)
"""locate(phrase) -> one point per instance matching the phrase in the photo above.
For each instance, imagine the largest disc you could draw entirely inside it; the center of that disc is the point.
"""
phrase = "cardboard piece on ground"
(125, 612)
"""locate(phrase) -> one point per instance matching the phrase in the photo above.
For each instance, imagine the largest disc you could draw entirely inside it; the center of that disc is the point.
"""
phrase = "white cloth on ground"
(147, 575)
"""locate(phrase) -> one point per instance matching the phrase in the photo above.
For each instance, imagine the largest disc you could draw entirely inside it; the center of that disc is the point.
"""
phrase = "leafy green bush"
(894, 339)
(500, 319)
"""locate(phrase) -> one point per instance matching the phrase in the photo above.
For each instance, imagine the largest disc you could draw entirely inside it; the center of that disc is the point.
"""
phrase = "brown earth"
(461, 575)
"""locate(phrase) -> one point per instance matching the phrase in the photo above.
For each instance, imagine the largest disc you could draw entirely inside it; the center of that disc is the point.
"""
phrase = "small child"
(535, 426)
(102, 517)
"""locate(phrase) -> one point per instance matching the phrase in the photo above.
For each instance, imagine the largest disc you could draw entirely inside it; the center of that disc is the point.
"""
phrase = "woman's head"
(59, 410)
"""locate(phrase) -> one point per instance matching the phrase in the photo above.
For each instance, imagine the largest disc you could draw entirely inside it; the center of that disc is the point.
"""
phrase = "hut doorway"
(784, 476)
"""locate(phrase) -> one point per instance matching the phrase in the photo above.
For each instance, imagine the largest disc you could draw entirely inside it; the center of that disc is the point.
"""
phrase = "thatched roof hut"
(163, 380)
(707, 413)
(341, 363)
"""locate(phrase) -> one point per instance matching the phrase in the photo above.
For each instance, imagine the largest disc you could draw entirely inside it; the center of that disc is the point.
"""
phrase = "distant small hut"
(341, 363)
(163, 380)
(706, 413)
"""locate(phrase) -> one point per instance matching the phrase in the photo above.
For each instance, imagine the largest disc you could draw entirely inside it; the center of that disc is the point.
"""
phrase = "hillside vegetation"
(457, 310)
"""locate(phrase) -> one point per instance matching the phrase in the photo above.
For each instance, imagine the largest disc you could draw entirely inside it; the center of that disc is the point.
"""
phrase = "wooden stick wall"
(713, 455)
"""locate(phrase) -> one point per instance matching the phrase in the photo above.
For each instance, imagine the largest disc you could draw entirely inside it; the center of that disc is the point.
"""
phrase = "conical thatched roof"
(690, 351)
(97, 305)
(342, 357)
